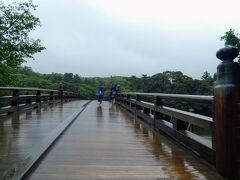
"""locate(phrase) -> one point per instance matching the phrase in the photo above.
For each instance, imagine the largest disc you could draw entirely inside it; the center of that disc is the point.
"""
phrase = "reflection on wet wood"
(21, 135)
(174, 122)
(108, 143)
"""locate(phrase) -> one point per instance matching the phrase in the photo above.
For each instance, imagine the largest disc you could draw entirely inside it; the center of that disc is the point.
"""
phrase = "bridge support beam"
(227, 114)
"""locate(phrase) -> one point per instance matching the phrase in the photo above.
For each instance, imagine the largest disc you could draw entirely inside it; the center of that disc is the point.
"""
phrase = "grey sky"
(132, 37)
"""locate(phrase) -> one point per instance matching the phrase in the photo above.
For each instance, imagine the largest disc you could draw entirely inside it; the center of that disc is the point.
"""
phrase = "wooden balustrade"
(153, 115)
(23, 98)
(222, 150)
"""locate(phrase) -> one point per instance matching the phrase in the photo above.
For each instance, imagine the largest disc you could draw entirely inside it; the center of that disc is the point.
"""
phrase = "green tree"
(232, 38)
(207, 77)
(25, 70)
(76, 78)
(54, 77)
(68, 77)
(16, 21)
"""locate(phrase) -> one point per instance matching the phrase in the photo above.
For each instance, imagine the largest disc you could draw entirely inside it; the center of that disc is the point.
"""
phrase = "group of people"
(112, 95)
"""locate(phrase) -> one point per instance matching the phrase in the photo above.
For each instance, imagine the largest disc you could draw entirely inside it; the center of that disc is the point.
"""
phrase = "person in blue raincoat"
(113, 94)
(100, 94)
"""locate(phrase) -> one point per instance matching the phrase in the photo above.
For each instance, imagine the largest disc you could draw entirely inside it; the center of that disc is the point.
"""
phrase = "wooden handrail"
(182, 97)
(17, 102)
(223, 151)
(153, 116)
(27, 89)
(33, 89)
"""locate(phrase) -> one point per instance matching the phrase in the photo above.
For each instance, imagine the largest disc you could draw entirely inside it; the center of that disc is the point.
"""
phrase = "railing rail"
(182, 97)
(33, 89)
(224, 125)
(178, 124)
(18, 101)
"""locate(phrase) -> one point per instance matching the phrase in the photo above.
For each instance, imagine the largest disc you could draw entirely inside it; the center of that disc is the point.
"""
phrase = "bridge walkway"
(22, 134)
(105, 142)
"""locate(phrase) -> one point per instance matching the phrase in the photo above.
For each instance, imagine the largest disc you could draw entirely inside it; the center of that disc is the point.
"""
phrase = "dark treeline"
(174, 82)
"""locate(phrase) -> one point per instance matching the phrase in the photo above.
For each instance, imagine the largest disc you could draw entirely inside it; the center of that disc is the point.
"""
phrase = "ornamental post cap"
(228, 53)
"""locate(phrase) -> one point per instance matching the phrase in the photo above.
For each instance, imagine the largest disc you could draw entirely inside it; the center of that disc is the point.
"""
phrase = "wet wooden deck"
(105, 142)
(21, 135)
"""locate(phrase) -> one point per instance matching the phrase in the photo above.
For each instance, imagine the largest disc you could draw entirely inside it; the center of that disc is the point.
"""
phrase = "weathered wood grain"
(106, 142)
(22, 136)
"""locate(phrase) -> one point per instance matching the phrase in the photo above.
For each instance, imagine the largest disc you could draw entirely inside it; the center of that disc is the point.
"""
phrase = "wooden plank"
(132, 101)
(27, 106)
(8, 109)
(24, 97)
(178, 97)
(43, 146)
(202, 140)
(145, 104)
(26, 89)
(106, 142)
(203, 150)
(5, 98)
(145, 117)
(23, 136)
(192, 118)
(202, 147)
(166, 123)
(129, 108)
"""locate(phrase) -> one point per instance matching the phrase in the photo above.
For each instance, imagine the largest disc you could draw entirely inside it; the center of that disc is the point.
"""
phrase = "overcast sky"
(132, 37)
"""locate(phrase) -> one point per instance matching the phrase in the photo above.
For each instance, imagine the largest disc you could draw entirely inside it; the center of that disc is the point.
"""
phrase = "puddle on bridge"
(106, 142)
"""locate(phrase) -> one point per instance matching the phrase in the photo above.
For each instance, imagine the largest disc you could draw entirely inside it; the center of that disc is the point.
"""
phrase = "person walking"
(100, 94)
(113, 94)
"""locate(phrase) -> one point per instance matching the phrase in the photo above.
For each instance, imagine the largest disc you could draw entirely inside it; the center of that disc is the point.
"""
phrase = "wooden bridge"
(49, 134)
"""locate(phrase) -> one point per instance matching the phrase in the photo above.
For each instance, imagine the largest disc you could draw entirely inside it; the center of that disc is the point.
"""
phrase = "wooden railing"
(18, 99)
(178, 124)
(223, 148)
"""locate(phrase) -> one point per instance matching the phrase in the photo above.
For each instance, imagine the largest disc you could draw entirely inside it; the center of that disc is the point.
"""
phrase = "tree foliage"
(16, 21)
(174, 82)
(232, 38)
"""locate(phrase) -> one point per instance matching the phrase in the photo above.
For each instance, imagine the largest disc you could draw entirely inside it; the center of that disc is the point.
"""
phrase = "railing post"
(137, 107)
(226, 99)
(60, 92)
(146, 111)
(128, 98)
(46, 98)
(138, 97)
(15, 100)
(51, 97)
(38, 98)
(157, 115)
(28, 101)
